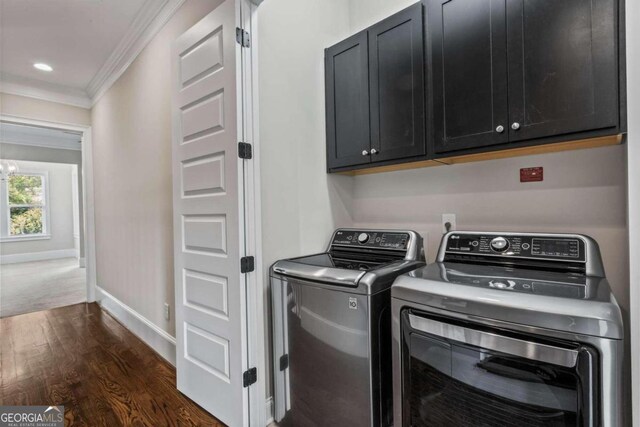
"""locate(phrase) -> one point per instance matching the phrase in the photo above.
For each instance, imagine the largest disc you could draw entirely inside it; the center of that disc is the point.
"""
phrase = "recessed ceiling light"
(43, 67)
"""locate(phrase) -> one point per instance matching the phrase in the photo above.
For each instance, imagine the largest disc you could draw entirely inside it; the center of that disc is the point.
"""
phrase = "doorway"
(40, 245)
(46, 231)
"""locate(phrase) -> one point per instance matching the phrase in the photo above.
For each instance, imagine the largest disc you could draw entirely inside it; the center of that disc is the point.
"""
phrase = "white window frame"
(7, 237)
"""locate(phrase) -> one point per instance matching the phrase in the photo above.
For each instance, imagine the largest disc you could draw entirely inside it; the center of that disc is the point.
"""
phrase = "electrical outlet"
(451, 219)
(167, 311)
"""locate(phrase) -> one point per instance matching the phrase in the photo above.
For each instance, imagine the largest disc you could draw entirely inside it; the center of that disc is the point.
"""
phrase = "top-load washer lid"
(372, 258)
(561, 286)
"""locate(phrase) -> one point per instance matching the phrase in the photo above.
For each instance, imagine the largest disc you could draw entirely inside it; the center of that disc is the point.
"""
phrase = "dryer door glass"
(451, 383)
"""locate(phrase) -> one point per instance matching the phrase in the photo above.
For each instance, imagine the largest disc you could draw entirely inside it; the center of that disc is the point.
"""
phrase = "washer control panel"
(371, 239)
(550, 247)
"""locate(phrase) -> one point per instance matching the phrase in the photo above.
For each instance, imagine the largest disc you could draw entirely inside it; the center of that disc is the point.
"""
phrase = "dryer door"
(467, 375)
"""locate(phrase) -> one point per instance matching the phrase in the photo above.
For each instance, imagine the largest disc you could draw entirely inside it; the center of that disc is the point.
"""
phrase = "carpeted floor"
(40, 285)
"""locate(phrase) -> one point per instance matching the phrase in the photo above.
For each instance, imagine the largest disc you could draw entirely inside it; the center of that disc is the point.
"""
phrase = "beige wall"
(363, 13)
(582, 192)
(300, 202)
(132, 176)
(36, 109)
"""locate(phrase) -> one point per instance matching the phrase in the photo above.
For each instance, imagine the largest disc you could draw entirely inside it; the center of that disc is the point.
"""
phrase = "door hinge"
(247, 264)
(249, 377)
(242, 37)
(284, 362)
(244, 150)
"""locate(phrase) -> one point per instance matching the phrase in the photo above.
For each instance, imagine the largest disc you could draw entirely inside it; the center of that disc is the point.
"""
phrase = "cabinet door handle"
(515, 126)
(500, 129)
(365, 153)
(374, 151)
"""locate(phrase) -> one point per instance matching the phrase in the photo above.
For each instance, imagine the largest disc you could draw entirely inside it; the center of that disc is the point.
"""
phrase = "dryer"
(508, 329)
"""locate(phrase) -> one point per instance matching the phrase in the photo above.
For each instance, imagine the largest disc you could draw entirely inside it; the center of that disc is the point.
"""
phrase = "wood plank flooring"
(80, 357)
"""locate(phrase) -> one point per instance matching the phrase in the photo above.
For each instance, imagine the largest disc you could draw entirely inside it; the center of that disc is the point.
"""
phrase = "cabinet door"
(468, 72)
(347, 102)
(562, 66)
(396, 73)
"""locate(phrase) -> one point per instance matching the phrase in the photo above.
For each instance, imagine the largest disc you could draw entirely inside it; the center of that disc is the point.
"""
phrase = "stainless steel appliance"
(508, 329)
(332, 329)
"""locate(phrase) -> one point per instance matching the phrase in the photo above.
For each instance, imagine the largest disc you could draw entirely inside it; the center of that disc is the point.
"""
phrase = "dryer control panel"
(539, 246)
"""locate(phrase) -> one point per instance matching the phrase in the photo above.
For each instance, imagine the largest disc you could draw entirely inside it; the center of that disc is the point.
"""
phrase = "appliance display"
(510, 329)
(332, 329)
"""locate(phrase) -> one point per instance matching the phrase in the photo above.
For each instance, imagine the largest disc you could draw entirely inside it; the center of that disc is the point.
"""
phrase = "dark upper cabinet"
(446, 78)
(375, 93)
(563, 74)
(347, 102)
(468, 73)
(396, 81)
(506, 71)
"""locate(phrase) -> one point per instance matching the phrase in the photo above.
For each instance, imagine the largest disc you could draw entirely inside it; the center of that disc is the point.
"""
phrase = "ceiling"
(78, 38)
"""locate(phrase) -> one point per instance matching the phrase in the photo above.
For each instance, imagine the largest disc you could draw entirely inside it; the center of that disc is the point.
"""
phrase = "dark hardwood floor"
(80, 357)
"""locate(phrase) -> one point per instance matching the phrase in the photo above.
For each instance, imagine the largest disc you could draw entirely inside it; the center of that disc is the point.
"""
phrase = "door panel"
(208, 232)
(396, 72)
(465, 386)
(347, 102)
(562, 66)
(454, 374)
(469, 73)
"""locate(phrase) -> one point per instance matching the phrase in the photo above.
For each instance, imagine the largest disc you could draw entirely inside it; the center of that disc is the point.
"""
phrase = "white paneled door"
(209, 215)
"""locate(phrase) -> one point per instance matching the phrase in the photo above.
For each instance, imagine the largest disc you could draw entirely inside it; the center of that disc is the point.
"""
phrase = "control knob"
(499, 244)
(363, 238)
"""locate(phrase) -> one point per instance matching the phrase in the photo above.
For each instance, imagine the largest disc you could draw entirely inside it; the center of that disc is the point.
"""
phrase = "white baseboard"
(269, 405)
(82, 263)
(38, 256)
(159, 340)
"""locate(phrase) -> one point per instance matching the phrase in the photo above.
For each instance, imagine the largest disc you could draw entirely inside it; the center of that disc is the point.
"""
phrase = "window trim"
(8, 237)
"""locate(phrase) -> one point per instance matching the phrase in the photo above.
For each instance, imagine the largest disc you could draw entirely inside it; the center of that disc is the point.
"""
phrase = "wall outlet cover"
(167, 311)
(451, 219)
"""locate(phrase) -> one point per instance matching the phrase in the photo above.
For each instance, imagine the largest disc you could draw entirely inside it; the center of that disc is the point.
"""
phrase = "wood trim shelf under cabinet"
(579, 144)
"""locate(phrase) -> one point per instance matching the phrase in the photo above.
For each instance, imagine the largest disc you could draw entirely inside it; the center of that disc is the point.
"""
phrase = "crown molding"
(36, 137)
(57, 144)
(31, 88)
(152, 17)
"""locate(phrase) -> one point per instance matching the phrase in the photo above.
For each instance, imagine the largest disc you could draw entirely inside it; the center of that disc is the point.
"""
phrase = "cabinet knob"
(365, 153)
(515, 126)
(500, 129)
(374, 151)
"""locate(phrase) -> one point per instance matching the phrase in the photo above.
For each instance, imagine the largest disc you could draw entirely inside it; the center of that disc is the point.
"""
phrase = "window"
(27, 205)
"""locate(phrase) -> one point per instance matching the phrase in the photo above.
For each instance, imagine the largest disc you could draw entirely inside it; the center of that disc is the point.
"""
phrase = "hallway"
(80, 357)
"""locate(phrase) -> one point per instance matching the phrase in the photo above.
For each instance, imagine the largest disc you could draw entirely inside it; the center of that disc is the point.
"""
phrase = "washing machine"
(332, 329)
